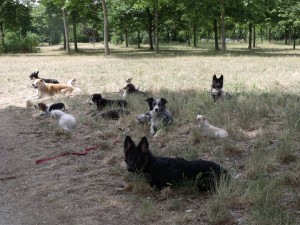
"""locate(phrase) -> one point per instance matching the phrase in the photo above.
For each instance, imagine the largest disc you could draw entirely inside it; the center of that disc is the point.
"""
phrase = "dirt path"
(67, 190)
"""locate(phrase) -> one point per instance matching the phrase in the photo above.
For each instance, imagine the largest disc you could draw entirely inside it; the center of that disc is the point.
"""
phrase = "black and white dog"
(158, 115)
(35, 75)
(113, 114)
(217, 91)
(101, 103)
(165, 171)
(47, 109)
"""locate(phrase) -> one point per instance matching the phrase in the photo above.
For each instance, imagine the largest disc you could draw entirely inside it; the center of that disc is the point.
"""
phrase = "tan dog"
(51, 89)
(209, 130)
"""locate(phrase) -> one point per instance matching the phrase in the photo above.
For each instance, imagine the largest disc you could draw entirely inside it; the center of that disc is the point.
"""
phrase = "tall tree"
(289, 13)
(223, 35)
(105, 20)
(66, 30)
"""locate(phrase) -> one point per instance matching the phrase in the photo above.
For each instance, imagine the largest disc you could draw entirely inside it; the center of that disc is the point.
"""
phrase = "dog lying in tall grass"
(164, 171)
(101, 102)
(35, 75)
(209, 130)
(158, 116)
(48, 108)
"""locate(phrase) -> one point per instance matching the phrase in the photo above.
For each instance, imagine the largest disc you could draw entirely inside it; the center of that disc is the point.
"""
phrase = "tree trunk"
(285, 36)
(254, 36)
(189, 37)
(294, 38)
(64, 35)
(105, 20)
(126, 38)
(250, 35)
(150, 28)
(290, 35)
(2, 34)
(216, 34)
(150, 39)
(74, 20)
(261, 35)
(223, 34)
(156, 28)
(270, 34)
(139, 39)
(66, 31)
(195, 34)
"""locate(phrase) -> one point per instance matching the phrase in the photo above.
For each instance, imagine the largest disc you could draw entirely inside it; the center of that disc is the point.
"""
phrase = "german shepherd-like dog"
(164, 171)
(217, 90)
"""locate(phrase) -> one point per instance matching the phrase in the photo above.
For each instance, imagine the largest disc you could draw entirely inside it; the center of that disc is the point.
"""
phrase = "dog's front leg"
(153, 127)
(36, 96)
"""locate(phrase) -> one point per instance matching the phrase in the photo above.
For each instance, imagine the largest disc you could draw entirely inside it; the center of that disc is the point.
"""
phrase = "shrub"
(30, 42)
(14, 42)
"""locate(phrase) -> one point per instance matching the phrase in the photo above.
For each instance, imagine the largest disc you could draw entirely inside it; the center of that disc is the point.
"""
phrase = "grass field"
(262, 151)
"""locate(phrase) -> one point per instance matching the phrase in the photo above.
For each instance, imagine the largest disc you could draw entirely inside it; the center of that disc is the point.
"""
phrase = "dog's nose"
(156, 109)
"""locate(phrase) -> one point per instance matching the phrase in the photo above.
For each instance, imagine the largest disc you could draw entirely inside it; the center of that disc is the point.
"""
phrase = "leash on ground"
(83, 152)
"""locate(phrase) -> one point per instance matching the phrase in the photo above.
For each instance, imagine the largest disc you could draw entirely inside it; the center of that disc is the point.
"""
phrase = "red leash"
(83, 152)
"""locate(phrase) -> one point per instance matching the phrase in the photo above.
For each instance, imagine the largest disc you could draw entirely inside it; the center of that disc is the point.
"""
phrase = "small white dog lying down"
(65, 121)
(209, 130)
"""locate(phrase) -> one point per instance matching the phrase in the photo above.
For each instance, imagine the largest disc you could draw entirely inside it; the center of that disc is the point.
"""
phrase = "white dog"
(71, 82)
(209, 130)
(65, 121)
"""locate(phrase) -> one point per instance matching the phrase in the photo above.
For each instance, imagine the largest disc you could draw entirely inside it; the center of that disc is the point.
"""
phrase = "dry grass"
(261, 153)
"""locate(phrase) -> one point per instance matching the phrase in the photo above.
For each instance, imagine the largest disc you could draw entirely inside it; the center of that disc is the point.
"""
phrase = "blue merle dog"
(158, 115)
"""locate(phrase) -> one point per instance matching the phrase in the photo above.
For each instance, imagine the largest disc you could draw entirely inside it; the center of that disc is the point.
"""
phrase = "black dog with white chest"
(103, 102)
(217, 91)
(216, 87)
(163, 171)
(35, 75)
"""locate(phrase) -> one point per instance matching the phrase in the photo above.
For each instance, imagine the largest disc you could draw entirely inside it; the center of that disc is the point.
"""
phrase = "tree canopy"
(132, 22)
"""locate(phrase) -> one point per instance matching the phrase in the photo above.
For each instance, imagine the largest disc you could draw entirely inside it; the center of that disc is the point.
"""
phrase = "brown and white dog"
(45, 89)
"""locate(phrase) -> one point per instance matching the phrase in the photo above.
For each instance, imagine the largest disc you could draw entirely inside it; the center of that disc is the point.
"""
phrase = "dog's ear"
(150, 101)
(144, 145)
(214, 77)
(163, 101)
(128, 144)
(221, 77)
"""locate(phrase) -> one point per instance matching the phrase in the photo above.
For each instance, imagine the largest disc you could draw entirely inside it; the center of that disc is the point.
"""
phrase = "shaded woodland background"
(25, 24)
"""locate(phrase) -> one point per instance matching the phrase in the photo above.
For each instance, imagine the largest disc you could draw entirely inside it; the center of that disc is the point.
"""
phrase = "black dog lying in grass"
(35, 75)
(113, 114)
(163, 171)
(102, 102)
